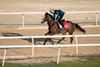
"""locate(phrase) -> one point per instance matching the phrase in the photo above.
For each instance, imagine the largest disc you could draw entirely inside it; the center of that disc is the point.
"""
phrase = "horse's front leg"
(61, 39)
(45, 41)
(47, 33)
(46, 38)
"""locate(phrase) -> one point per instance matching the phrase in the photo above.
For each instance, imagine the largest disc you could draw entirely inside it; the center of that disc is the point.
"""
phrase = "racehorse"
(53, 28)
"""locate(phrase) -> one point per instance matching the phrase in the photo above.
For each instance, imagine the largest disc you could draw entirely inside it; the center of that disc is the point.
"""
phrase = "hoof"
(52, 43)
(58, 42)
(43, 44)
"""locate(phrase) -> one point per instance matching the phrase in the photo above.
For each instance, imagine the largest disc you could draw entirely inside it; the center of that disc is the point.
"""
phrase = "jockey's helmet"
(51, 10)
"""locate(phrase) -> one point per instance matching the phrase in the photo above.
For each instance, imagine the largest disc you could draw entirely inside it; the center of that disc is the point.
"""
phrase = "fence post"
(96, 18)
(3, 62)
(58, 55)
(23, 21)
(76, 46)
(32, 47)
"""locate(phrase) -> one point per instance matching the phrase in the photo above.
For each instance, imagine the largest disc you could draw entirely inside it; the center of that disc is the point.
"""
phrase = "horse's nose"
(42, 22)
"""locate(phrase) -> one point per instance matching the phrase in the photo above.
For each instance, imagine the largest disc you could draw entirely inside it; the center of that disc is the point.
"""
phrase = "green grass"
(61, 64)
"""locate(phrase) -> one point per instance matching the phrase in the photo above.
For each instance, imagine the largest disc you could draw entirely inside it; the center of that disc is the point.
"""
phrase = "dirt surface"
(46, 54)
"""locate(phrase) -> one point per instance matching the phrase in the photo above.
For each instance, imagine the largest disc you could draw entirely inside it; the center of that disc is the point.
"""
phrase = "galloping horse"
(53, 28)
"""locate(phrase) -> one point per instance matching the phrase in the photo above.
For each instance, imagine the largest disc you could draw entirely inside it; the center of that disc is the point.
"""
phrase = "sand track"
(46, 52)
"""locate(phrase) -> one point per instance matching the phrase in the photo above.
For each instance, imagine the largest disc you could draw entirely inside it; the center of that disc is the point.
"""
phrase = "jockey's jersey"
(58, 13)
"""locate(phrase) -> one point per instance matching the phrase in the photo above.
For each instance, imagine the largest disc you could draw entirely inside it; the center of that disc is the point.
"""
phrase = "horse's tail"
(79, 28)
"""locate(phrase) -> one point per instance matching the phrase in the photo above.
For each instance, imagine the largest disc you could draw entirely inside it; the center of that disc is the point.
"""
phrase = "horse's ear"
(46, 13)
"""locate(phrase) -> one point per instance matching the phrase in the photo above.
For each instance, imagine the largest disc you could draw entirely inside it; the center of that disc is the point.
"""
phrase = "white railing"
(44, 46)
(35, 46)
(24, 13)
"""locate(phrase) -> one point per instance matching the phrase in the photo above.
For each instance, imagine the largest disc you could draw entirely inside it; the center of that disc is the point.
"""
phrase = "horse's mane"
(50, 15)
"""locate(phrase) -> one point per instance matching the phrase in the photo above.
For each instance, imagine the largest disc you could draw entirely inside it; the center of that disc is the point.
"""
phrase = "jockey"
(58, 15)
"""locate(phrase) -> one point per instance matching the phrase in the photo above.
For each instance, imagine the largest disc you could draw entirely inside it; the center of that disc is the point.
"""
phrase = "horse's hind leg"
(71, 38)
(52, 42)
(63, 33)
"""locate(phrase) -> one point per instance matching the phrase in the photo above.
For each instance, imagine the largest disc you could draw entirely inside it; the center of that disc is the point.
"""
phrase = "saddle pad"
(66, 24)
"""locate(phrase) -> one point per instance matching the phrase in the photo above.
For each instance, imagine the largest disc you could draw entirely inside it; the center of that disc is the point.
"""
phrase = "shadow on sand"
(39, 40)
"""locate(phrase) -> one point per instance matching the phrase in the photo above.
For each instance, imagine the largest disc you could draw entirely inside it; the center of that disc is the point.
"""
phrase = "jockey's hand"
(56, 20)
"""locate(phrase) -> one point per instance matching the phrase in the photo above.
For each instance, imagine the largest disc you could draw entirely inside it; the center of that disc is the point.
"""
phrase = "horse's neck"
(51, 23)
(48, 25)
(53, 26)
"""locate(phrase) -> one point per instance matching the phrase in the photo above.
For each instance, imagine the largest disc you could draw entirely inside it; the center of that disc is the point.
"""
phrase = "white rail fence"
(27, 13)
(45, 46)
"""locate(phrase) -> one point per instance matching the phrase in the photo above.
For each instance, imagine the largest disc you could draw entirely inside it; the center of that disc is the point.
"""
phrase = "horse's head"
(45, 18)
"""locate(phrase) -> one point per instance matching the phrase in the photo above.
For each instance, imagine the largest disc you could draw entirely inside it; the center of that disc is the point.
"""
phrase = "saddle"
(65, 23)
